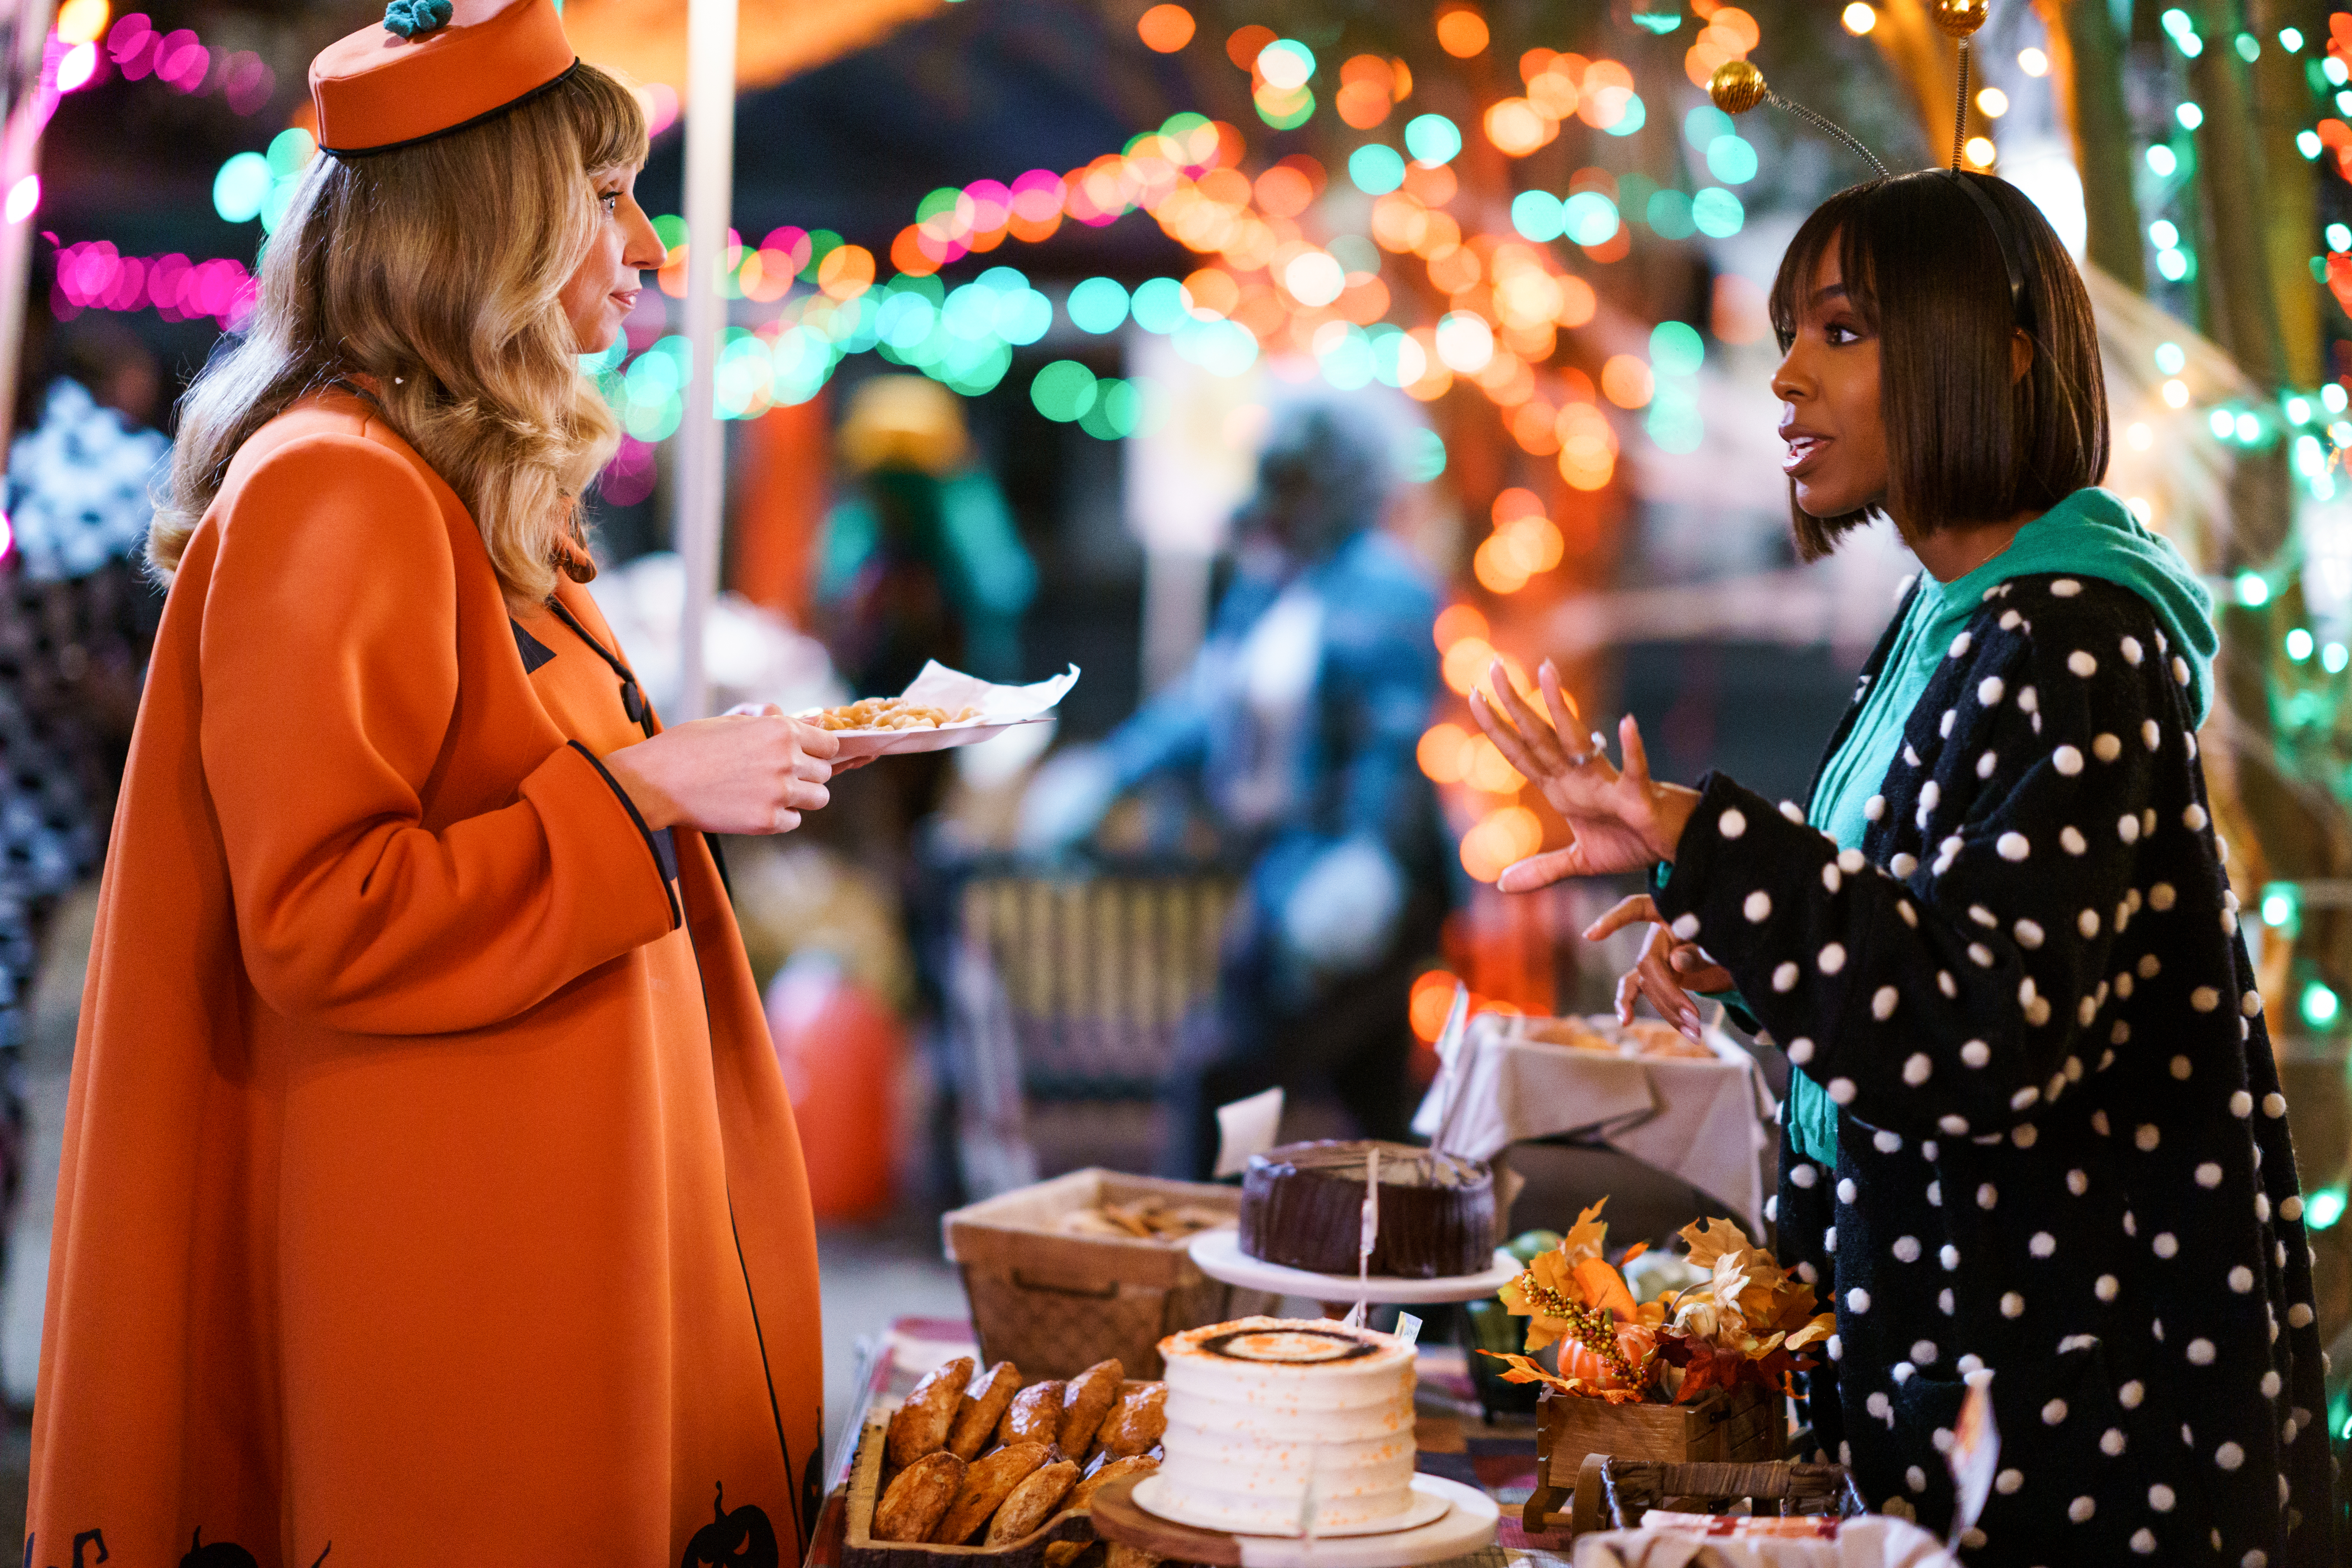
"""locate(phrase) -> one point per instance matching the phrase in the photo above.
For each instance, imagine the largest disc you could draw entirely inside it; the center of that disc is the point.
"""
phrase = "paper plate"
(899, 742)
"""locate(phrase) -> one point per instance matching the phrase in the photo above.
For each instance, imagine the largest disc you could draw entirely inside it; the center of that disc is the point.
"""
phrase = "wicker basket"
(1054, 1304)
(1743, 1426)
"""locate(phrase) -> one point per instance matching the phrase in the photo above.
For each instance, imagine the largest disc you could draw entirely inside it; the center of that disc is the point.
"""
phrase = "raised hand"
(1667, 971)
(741, 773)
(1621, 820)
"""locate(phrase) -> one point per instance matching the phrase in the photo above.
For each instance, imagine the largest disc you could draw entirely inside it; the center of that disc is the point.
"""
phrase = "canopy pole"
(702, 441)
(25, 24)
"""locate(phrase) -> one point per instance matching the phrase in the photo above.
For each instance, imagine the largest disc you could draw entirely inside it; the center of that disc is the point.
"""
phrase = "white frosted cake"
(1256, 1406)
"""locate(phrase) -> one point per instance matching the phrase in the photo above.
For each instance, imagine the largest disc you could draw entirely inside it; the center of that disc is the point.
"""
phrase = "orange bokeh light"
(1285, 191)
(1533, 426)
(1577, 301)
(1362, 105)
(1626, 382)
(1433, 185)
(1515, 503)
(1512, 834)
(1460, 32)
(1516, 128)
(1165, 29)
(1213, 289)
(1433, 999)
(1444, 753)
(1465, 663)
(846, 271)
(1247, 43)
(1456, 622)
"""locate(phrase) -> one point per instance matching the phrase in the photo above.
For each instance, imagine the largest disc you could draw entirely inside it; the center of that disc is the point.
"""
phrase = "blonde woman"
(430, 1189)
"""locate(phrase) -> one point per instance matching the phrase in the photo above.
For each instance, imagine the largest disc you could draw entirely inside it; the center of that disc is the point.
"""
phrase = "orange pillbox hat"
(432, 67)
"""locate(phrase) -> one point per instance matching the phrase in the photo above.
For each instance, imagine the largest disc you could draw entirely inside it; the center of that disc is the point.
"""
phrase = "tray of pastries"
(979, 1463)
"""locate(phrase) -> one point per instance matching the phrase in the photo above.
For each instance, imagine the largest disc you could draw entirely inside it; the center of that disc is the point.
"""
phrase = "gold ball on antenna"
(1736, 86)
(1960, 18)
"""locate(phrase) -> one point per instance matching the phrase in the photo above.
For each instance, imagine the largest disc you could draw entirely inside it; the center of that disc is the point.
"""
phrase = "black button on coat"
(2062, 1155)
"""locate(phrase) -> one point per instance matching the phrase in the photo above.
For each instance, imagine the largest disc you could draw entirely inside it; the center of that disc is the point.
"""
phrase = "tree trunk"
(2086, 67)
(2230, 177)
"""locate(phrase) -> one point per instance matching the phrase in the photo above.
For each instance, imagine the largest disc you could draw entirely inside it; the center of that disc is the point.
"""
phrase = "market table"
(1455, 1441)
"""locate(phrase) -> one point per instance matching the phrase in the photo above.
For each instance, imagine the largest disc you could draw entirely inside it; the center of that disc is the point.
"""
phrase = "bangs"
(1833, 224)
(607, 118)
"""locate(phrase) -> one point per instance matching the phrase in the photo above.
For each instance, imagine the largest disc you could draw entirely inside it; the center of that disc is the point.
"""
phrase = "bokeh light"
(1098, 305)
(1432, 139)
(1376, 169)
(1063, 391)
(1461, 31)
(1165, 29)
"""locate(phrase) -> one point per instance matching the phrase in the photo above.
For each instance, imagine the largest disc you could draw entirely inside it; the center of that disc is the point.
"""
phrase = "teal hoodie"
(2090, 533)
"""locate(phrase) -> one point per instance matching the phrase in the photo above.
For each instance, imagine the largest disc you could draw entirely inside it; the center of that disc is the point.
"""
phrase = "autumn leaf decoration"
(1749, 1320)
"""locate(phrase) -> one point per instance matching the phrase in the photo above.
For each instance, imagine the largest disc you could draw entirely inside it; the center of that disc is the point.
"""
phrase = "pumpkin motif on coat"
(740, 1538)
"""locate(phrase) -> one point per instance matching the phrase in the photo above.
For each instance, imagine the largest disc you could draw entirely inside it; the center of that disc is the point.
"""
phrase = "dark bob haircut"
(1966, 442)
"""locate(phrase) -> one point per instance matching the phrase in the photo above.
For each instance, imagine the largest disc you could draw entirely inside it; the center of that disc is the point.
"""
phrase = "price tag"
(1246, 1128)
(1408, 1329)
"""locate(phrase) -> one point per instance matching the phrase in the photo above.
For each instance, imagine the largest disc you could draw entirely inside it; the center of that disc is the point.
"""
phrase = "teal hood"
(2091, 533)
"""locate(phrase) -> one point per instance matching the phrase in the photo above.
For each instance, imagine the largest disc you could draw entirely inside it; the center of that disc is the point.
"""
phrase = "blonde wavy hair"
(434, 270)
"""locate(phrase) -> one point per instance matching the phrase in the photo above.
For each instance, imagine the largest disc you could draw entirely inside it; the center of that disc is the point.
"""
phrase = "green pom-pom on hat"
(414, 18)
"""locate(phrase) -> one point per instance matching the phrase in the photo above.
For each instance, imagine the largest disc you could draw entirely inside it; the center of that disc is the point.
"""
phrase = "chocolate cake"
(1302, 1206)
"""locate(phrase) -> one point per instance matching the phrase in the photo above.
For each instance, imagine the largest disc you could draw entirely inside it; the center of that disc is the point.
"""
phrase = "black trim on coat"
(664, 847)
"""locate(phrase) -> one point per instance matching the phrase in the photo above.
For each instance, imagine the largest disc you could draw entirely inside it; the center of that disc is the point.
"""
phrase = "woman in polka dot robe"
(2036, 1137)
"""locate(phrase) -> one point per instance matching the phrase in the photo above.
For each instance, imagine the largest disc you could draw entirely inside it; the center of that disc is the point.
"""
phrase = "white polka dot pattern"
(2028, 969)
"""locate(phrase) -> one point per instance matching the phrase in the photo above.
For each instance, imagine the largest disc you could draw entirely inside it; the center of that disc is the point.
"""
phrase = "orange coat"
(430, 1188)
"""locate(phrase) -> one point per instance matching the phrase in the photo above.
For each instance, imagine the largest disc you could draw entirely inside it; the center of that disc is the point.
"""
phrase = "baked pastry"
(1136, 1422)
(921, 1424)
(1033, 1502)
(1302, 1206)
(987, 1482)
(1255, 1407)
(1086, 1401)
(983, 1407)
(1034, 1416)
(912, 1505)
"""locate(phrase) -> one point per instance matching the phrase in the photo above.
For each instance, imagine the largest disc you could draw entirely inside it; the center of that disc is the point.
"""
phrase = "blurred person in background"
(77, 621)
(920, 560)
(1298, 722)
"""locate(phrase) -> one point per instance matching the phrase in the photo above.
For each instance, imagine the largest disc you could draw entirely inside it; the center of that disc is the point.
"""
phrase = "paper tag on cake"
(1246, 1128)
(1408, 1329)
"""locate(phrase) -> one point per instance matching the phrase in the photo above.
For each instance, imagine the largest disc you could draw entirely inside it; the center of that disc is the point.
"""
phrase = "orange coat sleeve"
(331, 677)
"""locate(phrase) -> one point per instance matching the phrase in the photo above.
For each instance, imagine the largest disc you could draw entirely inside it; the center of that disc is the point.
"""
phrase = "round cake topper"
(1289, 1347)
(1736, 86)
(1960, 18)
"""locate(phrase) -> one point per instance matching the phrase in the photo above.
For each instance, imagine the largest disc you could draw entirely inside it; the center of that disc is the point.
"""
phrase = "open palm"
(1621, 819)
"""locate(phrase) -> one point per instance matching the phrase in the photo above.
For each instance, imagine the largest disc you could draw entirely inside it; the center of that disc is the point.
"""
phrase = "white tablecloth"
(1706, 1121)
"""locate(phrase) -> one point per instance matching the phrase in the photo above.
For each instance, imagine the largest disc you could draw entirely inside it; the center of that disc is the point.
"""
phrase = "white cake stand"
(1218, 1254)
(1466, 1524)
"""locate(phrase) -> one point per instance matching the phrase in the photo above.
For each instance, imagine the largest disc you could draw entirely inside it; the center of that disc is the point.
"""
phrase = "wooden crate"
(1746, 1425)
(1618, 1494)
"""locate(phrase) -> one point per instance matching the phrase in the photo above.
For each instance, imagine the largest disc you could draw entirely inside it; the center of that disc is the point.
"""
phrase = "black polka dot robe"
(2062, 1156)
